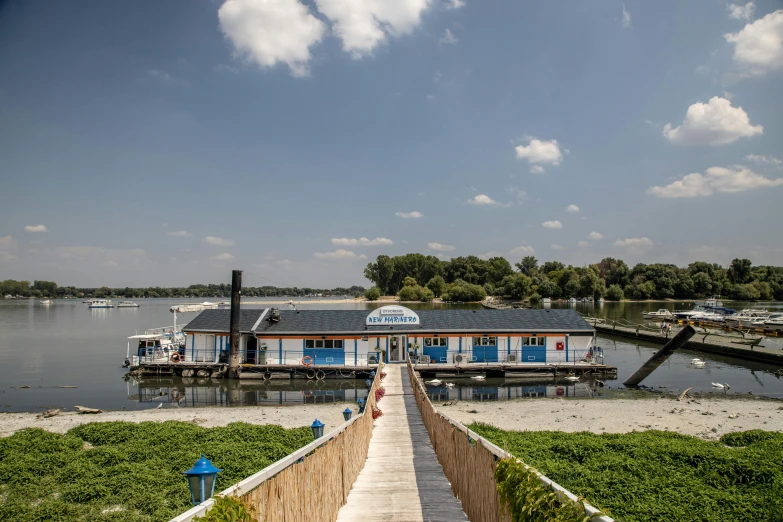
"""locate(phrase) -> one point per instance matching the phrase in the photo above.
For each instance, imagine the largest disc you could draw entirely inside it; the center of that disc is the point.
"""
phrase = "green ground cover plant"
(127, 472)
(657, 475)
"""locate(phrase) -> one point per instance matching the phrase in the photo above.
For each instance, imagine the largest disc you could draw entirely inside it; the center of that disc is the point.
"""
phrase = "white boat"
(8, 296)
(745, 318)
(774, 322)
(712, 302)
(662, 313)
(572, 301)
(47, 302)
(707, 316)
(546, 301)
(127, 304)
(157, 345)
(100, 303)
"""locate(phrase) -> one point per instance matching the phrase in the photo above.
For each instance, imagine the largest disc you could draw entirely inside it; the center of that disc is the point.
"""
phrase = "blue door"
(326, 356)
(535, 354)
(485, 353)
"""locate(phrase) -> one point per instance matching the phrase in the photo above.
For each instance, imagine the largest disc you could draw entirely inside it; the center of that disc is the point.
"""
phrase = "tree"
(551, 266)
(381, 273)
(409, 281)
(528, 264)
(516, 286)
(549, 289)
(463, 291)
(614, 293)
(437, 285)
(373, 294)
(497, 269)
(739, 271)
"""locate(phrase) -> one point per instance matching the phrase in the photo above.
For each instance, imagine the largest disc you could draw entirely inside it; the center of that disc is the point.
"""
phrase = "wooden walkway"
(402, 479)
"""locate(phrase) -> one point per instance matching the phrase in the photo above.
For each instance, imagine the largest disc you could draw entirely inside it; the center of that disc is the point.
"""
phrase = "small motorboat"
(662, 313)
(127, 304)
(47, 302)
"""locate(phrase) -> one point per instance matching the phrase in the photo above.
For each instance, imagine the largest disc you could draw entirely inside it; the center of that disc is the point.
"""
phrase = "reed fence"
(469, 462)
(313, 482)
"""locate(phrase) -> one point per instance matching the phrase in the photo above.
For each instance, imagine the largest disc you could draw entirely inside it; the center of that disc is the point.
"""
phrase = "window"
(485, 341)
(435, 341)
(535, 341)
(323, 343)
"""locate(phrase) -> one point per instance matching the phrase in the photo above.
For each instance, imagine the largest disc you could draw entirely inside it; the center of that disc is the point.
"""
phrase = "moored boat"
(662, 313)
(746, 317)
(47, 302)
(100, 303)
(156, 345)
(127, 304)
(774, 322)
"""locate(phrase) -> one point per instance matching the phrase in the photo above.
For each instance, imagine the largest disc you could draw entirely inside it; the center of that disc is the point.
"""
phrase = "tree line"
(420, 277)
(51, 289)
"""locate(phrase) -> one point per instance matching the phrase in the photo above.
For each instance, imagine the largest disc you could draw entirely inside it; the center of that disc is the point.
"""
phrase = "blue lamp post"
(368, 382)
(361, 405)
(372, 374)
(318, 429)
(347, 414)
(201, 480)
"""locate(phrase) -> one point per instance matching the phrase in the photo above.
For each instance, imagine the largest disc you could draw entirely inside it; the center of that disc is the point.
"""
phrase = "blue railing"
(307, 357)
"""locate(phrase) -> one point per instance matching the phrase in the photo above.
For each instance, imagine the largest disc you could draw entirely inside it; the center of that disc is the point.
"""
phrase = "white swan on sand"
(721, 386)
(433, 382)
(478, 377)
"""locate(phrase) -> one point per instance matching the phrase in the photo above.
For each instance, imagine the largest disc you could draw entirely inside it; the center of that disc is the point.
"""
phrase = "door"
(394, 348)
(251, 349)
(534, 350)
(485, 349)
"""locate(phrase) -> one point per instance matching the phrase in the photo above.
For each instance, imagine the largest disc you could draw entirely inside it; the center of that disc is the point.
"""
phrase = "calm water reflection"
(67, 344)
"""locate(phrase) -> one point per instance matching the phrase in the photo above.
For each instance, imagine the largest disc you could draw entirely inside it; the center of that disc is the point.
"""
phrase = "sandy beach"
(707, 418)
(286, 416)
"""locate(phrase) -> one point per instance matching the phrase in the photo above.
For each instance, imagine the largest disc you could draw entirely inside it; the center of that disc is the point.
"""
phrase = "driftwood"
(682, 396)
(47, 414)
(82, 409)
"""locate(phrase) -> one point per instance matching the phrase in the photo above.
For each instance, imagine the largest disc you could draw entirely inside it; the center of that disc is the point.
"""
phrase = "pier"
(707, 342)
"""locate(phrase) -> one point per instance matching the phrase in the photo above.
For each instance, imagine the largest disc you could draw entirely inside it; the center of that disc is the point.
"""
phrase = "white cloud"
(490, 254)
(484, 200)
(438, 247)
(453, 4)
(595, 235)
(364, 24)
(35, 228)
(409, 215)
(573, 209)
(540, 151)
(714, 180)
(523, 250)
(448, 38)
(537, 169)
(180, 233)
(638, 242)
(272, 31)
(583, 243)
(741, 12)
(626, 20)
(552, 224)
(768, 160)
(223, 257)
(758, 47)
(362, 241)
(713, 123)
(339, 254)
(217, 241)
(556, 247)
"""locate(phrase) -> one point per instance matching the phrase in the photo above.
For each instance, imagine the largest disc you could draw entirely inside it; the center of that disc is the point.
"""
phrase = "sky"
(166, 143)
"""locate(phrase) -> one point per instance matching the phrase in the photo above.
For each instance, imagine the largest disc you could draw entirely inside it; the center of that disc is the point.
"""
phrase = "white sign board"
(392, 315)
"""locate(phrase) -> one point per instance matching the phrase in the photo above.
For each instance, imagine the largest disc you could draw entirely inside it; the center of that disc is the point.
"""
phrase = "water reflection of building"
(177, 392)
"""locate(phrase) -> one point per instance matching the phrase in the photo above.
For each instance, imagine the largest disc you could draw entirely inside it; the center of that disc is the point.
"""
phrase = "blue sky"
(166, 143)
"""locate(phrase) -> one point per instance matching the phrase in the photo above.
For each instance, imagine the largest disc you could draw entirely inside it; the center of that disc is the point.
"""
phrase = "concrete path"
(402, 479)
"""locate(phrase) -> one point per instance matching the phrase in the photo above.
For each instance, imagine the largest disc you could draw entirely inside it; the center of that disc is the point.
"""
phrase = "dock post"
(236, 292)
(658, 358)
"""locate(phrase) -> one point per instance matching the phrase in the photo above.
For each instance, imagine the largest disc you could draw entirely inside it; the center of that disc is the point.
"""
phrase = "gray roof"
(220, 321)
(311, 322)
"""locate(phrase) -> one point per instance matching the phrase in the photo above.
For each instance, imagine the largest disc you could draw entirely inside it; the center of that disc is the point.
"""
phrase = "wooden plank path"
(402, 479)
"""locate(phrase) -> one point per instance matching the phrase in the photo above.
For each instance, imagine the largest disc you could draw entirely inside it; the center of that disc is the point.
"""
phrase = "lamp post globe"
(201, 480)
(347, 414)
(361, 405)
(318, 429)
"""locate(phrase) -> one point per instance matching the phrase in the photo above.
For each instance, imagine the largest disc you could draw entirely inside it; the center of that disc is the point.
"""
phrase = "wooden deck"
(402, 479)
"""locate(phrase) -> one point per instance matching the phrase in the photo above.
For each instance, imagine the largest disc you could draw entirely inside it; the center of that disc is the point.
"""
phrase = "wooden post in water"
(233, 356)
(656, 360)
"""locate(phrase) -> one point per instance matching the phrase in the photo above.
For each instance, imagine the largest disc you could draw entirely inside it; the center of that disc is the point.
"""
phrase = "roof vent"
(274, 316)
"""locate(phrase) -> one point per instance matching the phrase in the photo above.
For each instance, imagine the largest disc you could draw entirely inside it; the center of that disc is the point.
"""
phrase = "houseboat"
(100, 303)
(358, 338)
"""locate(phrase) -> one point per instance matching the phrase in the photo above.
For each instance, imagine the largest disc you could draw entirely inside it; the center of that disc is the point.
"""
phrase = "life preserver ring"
(307, 360)
(175, 358)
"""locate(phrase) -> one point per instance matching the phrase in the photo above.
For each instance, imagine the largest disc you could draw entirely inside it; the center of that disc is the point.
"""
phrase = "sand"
(286, 416)
(708, 418)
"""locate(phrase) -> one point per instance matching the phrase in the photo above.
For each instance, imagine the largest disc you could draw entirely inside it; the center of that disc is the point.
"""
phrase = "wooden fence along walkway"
(402, 479)
(314, 481)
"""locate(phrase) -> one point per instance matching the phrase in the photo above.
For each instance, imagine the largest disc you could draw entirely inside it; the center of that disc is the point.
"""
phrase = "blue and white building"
(358, 338)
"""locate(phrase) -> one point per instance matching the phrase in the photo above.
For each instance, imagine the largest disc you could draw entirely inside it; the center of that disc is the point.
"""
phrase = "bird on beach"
(433, 382)
(450, 385)
(572, 378)
(160, 405)
(725, 387)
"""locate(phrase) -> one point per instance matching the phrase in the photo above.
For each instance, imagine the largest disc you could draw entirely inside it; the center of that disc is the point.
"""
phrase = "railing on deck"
(310, 484)
(259, 357)
(472, 358)
(471, 468)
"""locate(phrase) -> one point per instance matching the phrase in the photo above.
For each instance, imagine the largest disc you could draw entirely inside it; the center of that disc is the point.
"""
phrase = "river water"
(43, 348)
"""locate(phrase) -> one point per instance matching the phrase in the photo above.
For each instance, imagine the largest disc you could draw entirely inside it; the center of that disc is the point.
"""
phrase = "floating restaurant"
(322, 342)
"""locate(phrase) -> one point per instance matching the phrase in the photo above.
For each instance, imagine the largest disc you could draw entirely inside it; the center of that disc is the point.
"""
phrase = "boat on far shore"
(662, 313)
(127, 304)
(100, 303)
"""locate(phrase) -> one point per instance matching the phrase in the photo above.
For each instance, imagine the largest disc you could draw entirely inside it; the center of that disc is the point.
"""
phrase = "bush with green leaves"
(658, 475)
(127, 472)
